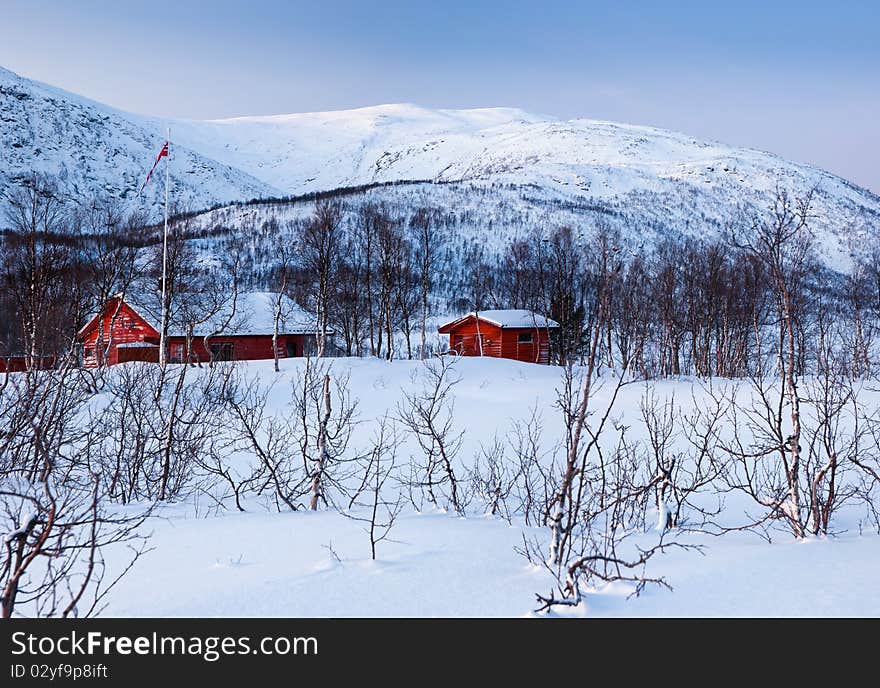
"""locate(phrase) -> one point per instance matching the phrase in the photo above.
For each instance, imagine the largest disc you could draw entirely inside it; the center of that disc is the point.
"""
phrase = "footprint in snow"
(231, 563)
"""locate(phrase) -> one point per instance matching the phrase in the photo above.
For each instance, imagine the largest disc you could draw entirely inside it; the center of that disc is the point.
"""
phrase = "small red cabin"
(129, 333)
(517, 334)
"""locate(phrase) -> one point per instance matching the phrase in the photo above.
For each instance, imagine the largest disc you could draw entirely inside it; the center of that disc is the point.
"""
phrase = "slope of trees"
(755, 305)
(374, 273)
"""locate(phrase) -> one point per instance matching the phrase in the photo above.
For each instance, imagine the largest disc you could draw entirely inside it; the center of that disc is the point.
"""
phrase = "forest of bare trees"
(754, 309)
(728, 306)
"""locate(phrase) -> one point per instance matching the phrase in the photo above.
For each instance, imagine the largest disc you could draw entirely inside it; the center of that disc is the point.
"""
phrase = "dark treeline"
(705, 307)
(374, 276)
(699, 307)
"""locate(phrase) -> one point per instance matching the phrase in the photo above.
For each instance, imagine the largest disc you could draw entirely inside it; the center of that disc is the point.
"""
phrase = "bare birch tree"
(428, 414)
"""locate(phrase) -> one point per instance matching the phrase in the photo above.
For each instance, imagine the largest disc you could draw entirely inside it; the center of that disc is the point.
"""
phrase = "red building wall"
(17, 364)
(138, 353)
(536, 351)
(244, 347)
(463, 339)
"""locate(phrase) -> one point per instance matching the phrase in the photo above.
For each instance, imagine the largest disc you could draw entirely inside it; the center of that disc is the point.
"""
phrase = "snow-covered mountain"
(541, 169)
(93, 148)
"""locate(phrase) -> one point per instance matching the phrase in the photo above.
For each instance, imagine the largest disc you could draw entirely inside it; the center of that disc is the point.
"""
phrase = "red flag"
(162, 153)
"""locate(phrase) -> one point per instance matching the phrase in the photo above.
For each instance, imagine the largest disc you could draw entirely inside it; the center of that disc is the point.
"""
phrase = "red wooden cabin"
(517, 334)
(129, 333)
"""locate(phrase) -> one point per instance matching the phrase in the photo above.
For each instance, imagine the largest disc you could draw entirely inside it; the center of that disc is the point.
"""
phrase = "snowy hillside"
(95, 149)
(325, 150)
(643, 181)
(647, 182)
(319, 151)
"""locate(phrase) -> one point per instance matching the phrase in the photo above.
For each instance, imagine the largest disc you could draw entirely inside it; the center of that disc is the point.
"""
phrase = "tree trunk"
(317, 489)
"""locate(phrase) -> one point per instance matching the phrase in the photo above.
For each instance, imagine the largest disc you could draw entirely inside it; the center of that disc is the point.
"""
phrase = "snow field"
(209, 562)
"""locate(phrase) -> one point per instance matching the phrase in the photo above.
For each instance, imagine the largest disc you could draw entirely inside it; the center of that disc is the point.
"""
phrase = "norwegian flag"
(162, 154)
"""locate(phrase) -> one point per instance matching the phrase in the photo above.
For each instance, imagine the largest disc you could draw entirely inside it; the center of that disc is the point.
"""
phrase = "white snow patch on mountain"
(95, 149)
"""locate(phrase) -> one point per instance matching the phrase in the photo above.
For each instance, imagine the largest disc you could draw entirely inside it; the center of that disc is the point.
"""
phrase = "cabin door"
(224, 351)
(468, 345)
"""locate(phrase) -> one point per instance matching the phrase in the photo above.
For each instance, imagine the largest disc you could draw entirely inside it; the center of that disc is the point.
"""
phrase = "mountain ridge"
(656, 175)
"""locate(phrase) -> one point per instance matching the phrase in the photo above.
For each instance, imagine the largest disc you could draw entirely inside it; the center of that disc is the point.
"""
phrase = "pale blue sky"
(797, 78)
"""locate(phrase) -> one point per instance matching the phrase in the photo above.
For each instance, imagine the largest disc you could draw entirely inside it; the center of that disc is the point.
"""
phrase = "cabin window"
(88, 353)
(291, 349)
(222, 351)
(524, 338)
(176, 353)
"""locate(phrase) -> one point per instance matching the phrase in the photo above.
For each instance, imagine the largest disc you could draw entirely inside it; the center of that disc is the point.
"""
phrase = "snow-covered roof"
(253, 315)
(513, 318)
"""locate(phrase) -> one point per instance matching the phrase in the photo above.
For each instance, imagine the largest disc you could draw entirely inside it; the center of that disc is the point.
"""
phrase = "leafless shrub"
(535, 463)
(54, 505)
(256, 432)
(159, 426)
(428, 415)
(493, 478)
(323, 415)
(683, 448)
(599, 499)
(379, 467)
(220, 476)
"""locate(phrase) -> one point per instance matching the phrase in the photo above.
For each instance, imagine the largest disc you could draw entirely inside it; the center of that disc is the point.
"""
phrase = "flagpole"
(165, 257)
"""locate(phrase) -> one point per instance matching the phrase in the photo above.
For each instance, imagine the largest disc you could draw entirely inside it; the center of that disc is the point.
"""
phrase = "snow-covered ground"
(206, 562)
(260, 564)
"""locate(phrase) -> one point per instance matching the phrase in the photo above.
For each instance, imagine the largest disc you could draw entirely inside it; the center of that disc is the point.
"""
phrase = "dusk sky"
(796, 78)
